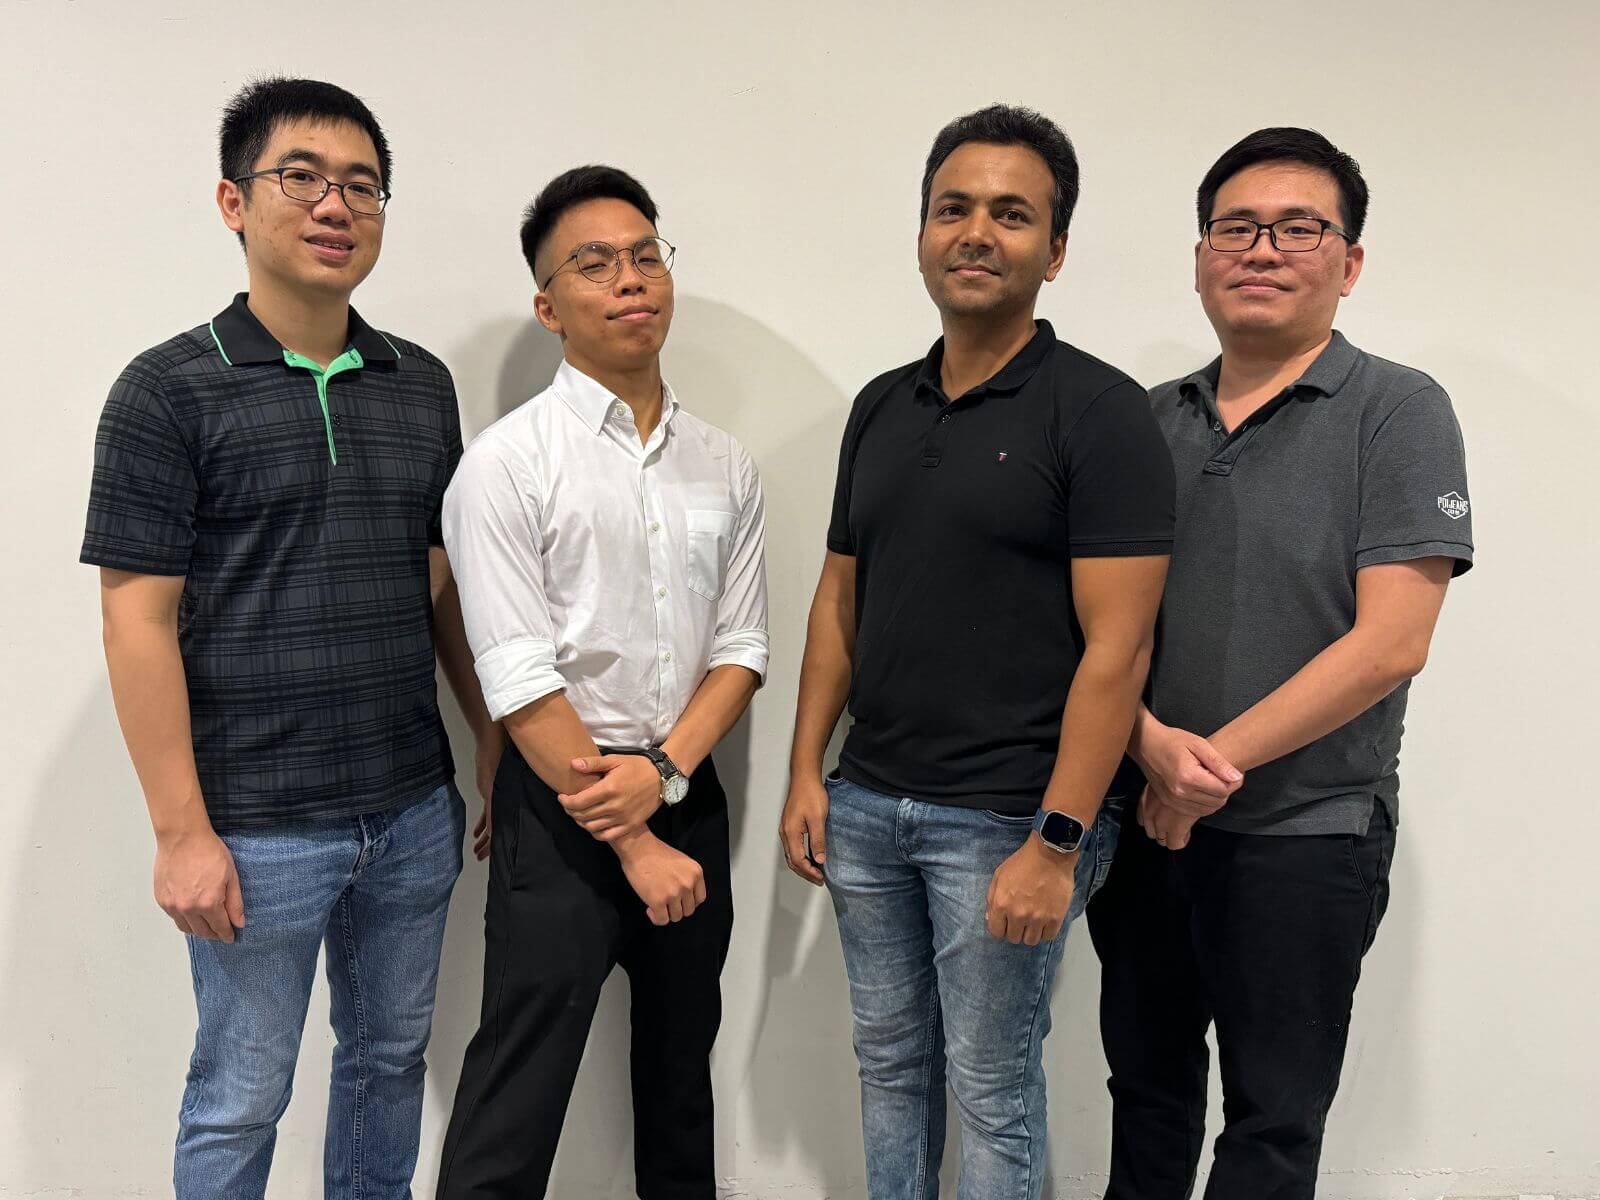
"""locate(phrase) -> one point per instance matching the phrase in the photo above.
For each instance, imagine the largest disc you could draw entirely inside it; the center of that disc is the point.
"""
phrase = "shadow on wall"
(91, 971)
(784, 1071)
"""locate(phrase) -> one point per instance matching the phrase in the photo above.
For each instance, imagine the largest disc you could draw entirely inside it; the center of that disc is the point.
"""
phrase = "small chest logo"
(1453, 506)
(1001, 457)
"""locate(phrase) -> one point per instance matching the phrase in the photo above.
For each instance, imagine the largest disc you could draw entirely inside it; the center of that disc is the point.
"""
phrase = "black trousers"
(1263, 935)
(560, 915)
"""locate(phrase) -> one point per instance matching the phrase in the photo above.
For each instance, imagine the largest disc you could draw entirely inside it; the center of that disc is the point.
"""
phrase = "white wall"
(784, 145)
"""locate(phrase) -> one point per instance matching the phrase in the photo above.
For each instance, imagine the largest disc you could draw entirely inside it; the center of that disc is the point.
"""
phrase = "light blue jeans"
(935, 997)
(374, 889)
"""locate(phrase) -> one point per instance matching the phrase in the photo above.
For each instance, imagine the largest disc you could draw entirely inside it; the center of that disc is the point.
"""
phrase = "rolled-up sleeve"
(741, 636)
(491, 532)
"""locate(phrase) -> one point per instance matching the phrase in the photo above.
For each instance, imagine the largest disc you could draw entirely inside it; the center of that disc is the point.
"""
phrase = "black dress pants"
(1263, 935)
(560, 915)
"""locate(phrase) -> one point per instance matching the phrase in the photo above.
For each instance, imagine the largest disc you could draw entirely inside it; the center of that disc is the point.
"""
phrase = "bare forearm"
(455, 655)
(824, 686)
(1335, 687)
(151, 694)
(550, 735)
(1095, 726)
(715, 707)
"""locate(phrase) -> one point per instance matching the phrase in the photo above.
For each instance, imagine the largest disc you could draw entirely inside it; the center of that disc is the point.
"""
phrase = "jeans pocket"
(1370, 854)
(1008, 819)
(710, 538)
(1107, 833)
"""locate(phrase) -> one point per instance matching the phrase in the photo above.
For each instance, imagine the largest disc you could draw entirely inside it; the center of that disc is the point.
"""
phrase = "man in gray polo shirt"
(1322, 510)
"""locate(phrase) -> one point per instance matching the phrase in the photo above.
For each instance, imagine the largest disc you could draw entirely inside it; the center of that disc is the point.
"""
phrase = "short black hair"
(1286, 143)
(1011, 125)
(570, 189)
(263, 104)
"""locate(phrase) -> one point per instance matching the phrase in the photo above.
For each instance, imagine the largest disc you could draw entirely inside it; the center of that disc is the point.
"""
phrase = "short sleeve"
(452, 459)
(840, 540)
(1414, 498)
(144, 491)
(1120, 490)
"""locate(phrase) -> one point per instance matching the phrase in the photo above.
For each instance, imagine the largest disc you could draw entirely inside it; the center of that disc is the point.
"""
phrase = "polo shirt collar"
(592, 400)
(1326, 374)
(1007, 379)
(241, 338)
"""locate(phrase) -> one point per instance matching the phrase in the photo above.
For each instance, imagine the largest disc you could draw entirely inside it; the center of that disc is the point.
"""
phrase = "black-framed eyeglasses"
(600, 263)
(308, 186)
(1291, 235)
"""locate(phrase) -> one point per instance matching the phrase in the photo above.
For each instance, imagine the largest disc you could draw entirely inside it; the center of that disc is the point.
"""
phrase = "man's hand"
(628, 792)
(197, 885)
(487, 763)
(803, 829)
(1194, 779)
(1030, 894)
(670, 883)
(1163, 820)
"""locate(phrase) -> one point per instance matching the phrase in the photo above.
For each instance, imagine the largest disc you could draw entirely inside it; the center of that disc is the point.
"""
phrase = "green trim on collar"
(350, 360)
(212, 325)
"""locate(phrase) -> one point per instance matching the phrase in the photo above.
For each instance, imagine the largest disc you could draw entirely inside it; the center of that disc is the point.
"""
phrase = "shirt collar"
(592, 401)
(241, 338)
(1007, 379)
(1326, 374)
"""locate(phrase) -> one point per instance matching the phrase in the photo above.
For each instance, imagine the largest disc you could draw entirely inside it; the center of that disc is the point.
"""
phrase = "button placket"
(658, 549)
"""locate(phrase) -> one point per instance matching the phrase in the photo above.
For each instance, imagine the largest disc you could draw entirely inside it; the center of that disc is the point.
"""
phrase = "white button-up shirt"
(620, 571)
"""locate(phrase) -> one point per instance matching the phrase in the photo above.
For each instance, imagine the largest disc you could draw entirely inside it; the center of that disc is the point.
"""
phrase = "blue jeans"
(935, 996)
(374, 889)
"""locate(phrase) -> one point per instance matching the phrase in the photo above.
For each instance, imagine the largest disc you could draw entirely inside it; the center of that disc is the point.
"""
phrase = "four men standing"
(275, 510)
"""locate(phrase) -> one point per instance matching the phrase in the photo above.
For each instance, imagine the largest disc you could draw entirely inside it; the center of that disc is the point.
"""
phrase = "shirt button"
(667, 657)
(661, 592)
(1216, 426)
(655, 526)
(619, 411)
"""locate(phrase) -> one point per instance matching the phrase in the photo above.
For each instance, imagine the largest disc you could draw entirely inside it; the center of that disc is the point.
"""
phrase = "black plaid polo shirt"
(299, 505)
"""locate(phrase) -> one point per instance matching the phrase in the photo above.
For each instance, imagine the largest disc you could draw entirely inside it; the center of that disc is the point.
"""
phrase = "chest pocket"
(710, 543)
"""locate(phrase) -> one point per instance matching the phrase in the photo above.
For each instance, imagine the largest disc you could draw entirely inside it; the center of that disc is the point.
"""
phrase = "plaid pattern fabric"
(305, 622)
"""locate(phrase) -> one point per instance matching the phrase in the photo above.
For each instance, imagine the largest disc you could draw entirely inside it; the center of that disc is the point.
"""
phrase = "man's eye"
(365, 191)
(950, 210)
(299, 176)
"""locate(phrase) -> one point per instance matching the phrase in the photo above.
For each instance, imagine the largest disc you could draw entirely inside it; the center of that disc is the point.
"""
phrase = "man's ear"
(1058, 256)
(1354, 258)
(546, 313)
(231, 202)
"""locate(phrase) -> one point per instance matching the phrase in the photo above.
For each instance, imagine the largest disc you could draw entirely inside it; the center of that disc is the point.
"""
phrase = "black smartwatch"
(1062, 833)
(674, 783)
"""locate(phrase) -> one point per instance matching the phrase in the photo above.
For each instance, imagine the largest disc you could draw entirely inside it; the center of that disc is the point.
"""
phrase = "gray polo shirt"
(1357, 463)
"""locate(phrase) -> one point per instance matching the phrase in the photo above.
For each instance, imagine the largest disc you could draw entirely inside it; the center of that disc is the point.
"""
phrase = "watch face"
(675, 789)
(1061, 831)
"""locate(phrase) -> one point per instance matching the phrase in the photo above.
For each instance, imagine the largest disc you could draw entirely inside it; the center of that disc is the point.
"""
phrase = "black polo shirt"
(964, 518)
(299, 506)
(1359, 462)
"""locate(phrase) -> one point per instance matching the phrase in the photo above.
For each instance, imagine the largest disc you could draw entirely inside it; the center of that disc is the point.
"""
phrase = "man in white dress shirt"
(608, 548)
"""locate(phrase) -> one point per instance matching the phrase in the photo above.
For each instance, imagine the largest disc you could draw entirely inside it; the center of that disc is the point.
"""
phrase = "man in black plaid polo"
(265, 515)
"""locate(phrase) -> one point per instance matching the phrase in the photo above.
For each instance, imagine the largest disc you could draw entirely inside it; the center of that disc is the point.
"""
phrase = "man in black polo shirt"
(265, 513)
(995, 559)
(1322, 510)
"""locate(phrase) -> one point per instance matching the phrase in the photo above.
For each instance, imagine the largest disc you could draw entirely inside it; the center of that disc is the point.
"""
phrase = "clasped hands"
(1187, 779)
(626, 793)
